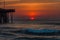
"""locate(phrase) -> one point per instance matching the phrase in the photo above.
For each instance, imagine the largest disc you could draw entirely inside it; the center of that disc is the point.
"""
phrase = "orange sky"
(44, 9)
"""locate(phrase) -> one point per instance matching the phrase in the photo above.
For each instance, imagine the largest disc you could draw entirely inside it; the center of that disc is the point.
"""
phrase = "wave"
(10, 33)
(26, 38)
(43, 32)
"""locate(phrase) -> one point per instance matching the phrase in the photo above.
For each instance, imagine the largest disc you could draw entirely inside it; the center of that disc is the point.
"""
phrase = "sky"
(34, 9)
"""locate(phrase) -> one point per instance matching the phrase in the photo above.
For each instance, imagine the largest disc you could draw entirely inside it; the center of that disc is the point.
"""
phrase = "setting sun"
(32, 14)
(32, 18)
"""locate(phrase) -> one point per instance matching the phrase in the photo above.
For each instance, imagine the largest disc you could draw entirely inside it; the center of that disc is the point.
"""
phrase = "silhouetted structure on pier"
(4, 17)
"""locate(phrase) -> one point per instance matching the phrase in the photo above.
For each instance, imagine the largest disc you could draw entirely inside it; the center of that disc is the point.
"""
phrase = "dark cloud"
(12, 2)
(28, 1)
(38, 1)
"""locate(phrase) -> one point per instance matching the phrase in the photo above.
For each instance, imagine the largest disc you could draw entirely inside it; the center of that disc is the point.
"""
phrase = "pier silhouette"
(4, 17)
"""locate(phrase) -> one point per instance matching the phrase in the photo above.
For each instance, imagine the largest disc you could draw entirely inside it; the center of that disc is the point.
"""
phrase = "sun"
(31, 14)
(32, 18)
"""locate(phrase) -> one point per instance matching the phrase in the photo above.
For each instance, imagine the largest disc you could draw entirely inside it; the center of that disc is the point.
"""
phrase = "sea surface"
(27, 32)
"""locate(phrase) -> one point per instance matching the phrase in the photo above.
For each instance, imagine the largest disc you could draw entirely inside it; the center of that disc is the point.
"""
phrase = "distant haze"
(37, 9)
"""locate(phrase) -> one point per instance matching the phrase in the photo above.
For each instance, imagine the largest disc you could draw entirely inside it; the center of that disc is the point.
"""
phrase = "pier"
(4, 15)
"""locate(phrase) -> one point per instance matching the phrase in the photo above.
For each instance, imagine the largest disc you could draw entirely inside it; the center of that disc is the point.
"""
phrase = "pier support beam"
(4, 17)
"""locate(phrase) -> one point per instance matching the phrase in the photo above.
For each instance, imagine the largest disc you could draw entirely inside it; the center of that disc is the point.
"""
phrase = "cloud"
(38, 1)
(9, 2)
(28, 1)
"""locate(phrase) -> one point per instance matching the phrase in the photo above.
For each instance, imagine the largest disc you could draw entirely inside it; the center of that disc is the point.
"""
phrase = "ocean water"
(29, 32)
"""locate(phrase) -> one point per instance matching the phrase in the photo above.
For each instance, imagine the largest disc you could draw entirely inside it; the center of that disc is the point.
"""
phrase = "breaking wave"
(10, 33)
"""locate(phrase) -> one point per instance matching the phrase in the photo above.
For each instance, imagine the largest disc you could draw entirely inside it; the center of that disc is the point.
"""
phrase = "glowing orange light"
(31, 14)
(32, 18)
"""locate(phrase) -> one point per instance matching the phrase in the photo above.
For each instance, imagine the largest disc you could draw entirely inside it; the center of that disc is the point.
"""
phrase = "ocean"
(29, 32)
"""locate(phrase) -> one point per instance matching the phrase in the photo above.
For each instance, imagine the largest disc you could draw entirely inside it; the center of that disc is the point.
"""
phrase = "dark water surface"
(13, 33)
